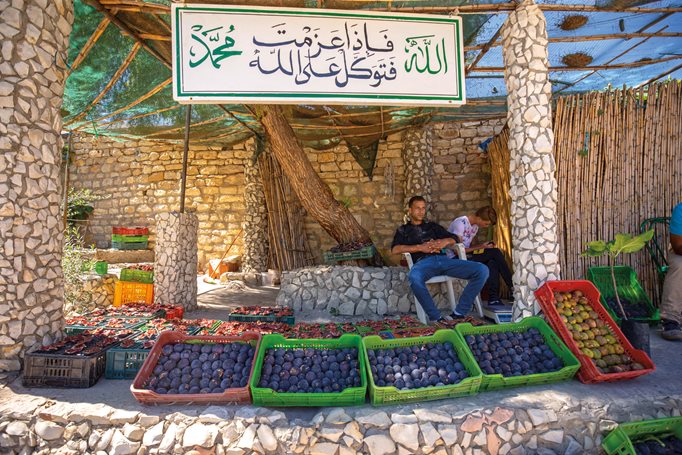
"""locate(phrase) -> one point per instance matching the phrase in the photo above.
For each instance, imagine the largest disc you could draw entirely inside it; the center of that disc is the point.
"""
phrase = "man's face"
(417, 211)
(483, 223)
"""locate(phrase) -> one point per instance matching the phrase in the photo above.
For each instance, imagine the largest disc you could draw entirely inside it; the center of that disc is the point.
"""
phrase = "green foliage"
(623, 243)
(80, 204)
(75, 260)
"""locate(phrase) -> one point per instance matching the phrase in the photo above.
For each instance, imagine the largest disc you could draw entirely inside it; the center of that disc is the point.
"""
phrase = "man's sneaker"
(496, 303)
(671, 331)
(456, 317)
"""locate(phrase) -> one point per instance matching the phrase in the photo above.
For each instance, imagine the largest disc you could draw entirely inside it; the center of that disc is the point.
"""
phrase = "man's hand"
(432, 246)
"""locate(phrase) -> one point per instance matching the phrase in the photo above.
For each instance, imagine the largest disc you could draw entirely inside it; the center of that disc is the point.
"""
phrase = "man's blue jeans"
(437, 265)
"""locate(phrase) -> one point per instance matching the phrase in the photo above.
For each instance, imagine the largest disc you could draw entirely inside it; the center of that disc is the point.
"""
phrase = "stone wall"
(140, 178)
(354, 290)
(462, 426)
(35, 39)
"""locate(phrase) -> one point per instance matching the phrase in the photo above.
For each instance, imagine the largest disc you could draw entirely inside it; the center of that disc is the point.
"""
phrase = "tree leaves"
(623, 243)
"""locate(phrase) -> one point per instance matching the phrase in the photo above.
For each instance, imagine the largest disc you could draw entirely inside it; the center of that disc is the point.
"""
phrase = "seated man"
(671, 300)
(426, 241)
(466, 228)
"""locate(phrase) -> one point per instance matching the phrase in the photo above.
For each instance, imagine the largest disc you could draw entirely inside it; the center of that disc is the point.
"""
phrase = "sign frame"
(185, 96)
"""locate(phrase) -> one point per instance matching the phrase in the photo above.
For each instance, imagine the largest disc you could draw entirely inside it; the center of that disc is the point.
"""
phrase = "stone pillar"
(255, 220)
(418, 160)
(34, 38)
(533, 187)
(175, 259)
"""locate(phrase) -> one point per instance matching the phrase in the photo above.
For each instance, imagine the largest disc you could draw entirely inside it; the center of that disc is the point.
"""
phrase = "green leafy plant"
(75, 260)
(79, 204)
(623, 243)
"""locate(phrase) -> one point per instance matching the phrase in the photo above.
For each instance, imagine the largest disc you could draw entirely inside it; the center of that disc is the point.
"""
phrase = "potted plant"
(636, 332)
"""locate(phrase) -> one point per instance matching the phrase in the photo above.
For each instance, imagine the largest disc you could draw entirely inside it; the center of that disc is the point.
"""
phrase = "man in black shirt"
(426, 241)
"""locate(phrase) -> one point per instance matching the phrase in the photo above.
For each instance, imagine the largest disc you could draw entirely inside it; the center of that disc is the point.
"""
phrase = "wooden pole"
(185, 152)
(66, 179)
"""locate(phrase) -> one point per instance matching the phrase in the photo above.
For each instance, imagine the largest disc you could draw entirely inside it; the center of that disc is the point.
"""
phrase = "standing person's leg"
(419, 274)
(475, 273)
(497, 266)
(671, 299)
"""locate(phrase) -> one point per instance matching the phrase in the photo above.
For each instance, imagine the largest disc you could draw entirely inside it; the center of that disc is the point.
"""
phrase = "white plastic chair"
(461, 254)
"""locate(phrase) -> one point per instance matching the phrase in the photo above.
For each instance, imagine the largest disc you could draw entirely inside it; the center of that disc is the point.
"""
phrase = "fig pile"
(189, 368)
(655, 446)
(416, 367)
(351, 246)
(513, 353)
(632, 309)
(85, 344)
(592, 335)
(309, 370)
(256, 310)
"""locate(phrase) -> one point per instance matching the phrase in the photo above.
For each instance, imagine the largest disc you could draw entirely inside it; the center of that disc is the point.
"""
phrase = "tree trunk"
(313, 193)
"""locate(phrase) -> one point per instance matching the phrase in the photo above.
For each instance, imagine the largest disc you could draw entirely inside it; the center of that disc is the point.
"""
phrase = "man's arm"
(676, 243)
(426, 247)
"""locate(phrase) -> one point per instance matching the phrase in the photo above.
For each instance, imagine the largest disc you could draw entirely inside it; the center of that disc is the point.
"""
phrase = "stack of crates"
(123, 238)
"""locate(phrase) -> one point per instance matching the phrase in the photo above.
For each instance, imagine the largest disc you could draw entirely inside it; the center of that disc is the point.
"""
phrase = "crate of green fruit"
(129, 238)
(362, 253)
(646, 436)
(635, 301)
(457, 376)
(526, 353)
(138, 276)
(339, 382)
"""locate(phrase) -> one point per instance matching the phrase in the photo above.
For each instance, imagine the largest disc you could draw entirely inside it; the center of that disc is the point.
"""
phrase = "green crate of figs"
(635, 301)
(386, 395)
(661, 434)
(350, 396)
(498, 381)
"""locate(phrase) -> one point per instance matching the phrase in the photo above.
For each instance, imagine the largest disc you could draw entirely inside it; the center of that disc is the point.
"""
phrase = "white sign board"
(228, 54)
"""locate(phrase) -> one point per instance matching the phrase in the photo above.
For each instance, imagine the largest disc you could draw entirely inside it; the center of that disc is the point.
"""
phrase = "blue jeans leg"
(419, 274)
(476, 275)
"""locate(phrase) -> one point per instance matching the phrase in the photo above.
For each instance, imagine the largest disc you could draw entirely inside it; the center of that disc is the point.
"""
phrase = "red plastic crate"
(119, 230)
(175, 312)
(588, 372)
(236, 395)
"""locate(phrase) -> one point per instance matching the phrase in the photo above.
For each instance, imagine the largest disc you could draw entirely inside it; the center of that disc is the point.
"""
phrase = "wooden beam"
(117, 75)
(239, 120)
(127, 30)
(497, 69)
(153, 37)
(158, 111)
(180, 128)
(610, 61)
(149, 94)
(485, 49)
(135, 6)
(662, 75)
(104, 23)
(588, 38)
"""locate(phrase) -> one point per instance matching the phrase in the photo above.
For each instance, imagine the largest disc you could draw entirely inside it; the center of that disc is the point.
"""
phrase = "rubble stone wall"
(459, 427)
(355, 290)
(140, 178)
(35, 38)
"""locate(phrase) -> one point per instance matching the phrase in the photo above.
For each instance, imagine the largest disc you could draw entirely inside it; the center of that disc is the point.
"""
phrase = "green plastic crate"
(138, 276)
(124, 363)
(628, 287)
(349, 397)
(129, 246)
(497, 381)
(363, 253)
(391, 395)
(129, 238)
(620, 441)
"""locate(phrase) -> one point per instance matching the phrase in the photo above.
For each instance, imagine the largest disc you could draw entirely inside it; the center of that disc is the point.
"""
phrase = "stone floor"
(568, 417)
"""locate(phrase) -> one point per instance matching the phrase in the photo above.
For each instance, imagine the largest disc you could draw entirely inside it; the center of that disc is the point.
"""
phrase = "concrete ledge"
(123, 256)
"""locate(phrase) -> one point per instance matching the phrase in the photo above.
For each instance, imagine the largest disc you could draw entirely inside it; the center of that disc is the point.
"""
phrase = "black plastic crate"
(64, 371)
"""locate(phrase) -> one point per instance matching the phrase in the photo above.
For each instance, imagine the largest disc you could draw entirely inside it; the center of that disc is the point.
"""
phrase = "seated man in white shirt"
(466, 228)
